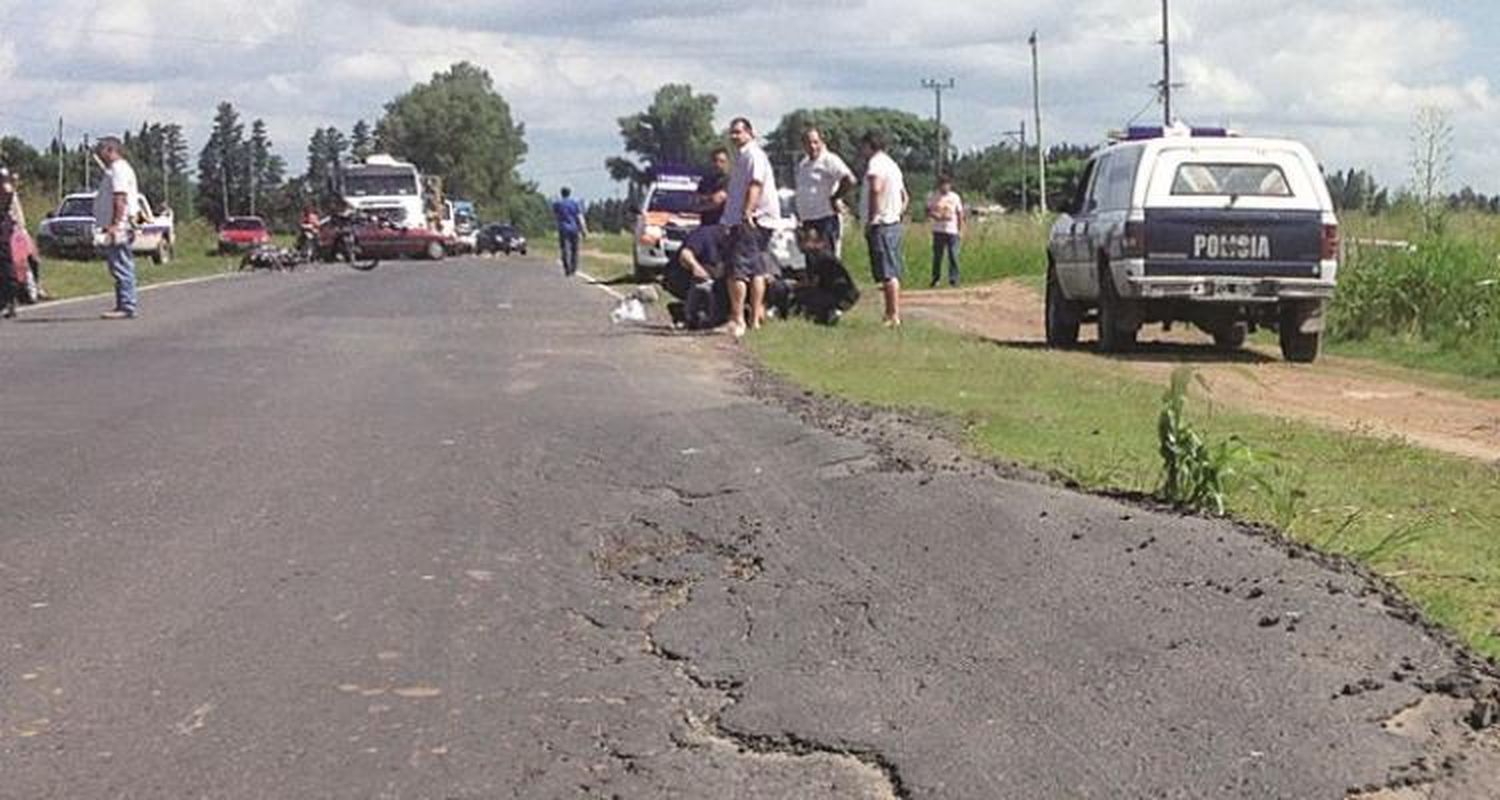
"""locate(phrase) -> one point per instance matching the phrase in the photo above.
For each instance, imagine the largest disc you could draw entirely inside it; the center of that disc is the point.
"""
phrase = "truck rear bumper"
(1228, 289)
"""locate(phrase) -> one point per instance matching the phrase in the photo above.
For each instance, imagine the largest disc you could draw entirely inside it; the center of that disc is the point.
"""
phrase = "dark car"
(500, 238)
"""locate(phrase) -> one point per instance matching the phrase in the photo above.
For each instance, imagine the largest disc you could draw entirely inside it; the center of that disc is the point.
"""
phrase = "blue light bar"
(1140, 133)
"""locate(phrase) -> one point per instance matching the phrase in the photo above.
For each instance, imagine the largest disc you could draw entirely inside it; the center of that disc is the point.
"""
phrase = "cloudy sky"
(1346, 75)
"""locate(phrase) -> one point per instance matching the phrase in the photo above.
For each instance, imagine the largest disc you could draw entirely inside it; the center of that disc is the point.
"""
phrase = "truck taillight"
(1133, 244)
(1330, 242)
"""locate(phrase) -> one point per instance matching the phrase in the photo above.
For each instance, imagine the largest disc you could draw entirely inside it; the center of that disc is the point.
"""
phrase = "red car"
(243, 233)
(386, 241)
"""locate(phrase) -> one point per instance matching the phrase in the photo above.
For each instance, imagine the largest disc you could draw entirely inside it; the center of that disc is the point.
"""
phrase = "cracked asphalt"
(441, 531)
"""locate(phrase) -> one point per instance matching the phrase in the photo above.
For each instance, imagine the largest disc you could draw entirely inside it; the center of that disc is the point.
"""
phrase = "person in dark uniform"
(826, 290)
(713, 189)
(695, 275)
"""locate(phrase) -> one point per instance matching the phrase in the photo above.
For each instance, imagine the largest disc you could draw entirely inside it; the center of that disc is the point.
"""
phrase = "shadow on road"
(1150, 352)
(55, 320)
(623, 280)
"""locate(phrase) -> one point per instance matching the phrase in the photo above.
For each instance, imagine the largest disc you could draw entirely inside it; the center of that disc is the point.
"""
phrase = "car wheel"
(1231, 338)
(1117, 331)
(1296, 346)
(1063, 315)
(436, 251)
(163, 253)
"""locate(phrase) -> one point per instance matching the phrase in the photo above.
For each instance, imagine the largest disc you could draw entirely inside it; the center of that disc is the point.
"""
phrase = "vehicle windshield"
(377, 185)
(674, 201)
(1242, 180)
(77, 207)
(244, 225)
(504, 230)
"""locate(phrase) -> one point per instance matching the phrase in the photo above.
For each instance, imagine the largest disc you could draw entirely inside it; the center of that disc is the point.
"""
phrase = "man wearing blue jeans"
(113, 207)
(570, 228)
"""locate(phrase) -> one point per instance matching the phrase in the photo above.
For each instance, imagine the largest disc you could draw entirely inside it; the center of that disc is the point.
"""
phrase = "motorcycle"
(342, 243)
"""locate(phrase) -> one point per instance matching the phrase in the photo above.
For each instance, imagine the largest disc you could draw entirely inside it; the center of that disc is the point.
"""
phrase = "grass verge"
(194, 258)
(1422, 519)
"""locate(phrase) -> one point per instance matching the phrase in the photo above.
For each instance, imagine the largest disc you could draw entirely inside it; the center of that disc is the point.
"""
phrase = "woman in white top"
(946, 210)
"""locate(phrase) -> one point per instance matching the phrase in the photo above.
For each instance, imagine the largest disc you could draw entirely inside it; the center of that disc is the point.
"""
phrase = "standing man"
(571, 227)
(749, 212)
(884, 206)
(713, 189)
(946, 211)
(113, 210)
(822, 179)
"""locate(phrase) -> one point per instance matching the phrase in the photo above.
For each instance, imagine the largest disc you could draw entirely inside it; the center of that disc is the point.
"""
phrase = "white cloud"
(1346, 74)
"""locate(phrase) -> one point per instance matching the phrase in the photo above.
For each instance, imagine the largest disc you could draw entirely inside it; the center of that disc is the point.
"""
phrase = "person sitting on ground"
(826, 290)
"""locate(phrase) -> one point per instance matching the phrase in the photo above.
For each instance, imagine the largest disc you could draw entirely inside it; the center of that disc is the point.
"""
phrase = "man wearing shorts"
(822, 178)
(749, 212)
(884, 207)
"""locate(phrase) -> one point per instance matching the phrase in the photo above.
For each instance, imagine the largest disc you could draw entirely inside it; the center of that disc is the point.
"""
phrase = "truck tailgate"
(1233, 242)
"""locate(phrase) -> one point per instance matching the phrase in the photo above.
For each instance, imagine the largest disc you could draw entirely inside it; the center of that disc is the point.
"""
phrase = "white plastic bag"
(631, 309)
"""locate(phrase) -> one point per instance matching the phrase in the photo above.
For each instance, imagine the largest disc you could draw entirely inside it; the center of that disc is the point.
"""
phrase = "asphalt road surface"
(441, 531)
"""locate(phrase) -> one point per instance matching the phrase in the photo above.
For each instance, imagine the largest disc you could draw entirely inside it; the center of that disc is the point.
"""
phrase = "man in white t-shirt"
(945, 209)
(113, 207)
(822, 180)
(884, 207)
(750, 211)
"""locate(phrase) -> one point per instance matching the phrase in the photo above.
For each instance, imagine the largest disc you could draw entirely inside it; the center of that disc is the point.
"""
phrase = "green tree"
(676, 130)
(909, 137)
(266, 169)
(361, 141)
(326, 149)
(223, 177)
(158, 151)
(457, 126)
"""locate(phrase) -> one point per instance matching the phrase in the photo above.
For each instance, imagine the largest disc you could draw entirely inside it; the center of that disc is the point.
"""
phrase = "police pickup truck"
(1195, 226)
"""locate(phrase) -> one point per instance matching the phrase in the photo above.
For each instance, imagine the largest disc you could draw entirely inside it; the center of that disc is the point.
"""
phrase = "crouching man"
(826, 290)
(696, 276)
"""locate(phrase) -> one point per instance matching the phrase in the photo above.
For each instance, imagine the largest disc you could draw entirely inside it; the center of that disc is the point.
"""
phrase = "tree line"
(455, 125)
(679, 129)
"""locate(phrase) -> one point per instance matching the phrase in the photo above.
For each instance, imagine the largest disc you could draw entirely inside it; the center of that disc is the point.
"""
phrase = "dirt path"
(1343, 394)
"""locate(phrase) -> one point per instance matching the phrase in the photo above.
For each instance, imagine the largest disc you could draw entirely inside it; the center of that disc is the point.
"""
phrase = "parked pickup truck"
(69, 231)
(1195, 226)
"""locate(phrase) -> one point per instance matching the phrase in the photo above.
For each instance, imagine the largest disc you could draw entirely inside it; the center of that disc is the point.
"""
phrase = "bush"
(1439, 289)
(1195, 474)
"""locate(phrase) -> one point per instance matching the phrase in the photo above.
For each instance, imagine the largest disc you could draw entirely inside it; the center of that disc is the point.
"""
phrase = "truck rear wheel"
(1117, 331)
(163, 253)
(1298, 346)
(1063, 315)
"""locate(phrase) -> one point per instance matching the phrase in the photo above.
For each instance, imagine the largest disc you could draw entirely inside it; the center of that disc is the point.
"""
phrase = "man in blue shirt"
(570, 228)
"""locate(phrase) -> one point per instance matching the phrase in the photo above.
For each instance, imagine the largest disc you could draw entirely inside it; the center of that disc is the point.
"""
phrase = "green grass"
(620, 244)
(193, 258)
(992, 249)
(1424, 519)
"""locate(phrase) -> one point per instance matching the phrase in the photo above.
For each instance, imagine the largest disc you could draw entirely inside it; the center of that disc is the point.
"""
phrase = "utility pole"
(62, 151)
(166, 176)
(1166, 84)
(1019, 135)
(938, 87)
(87, 178)
(1041, 152)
